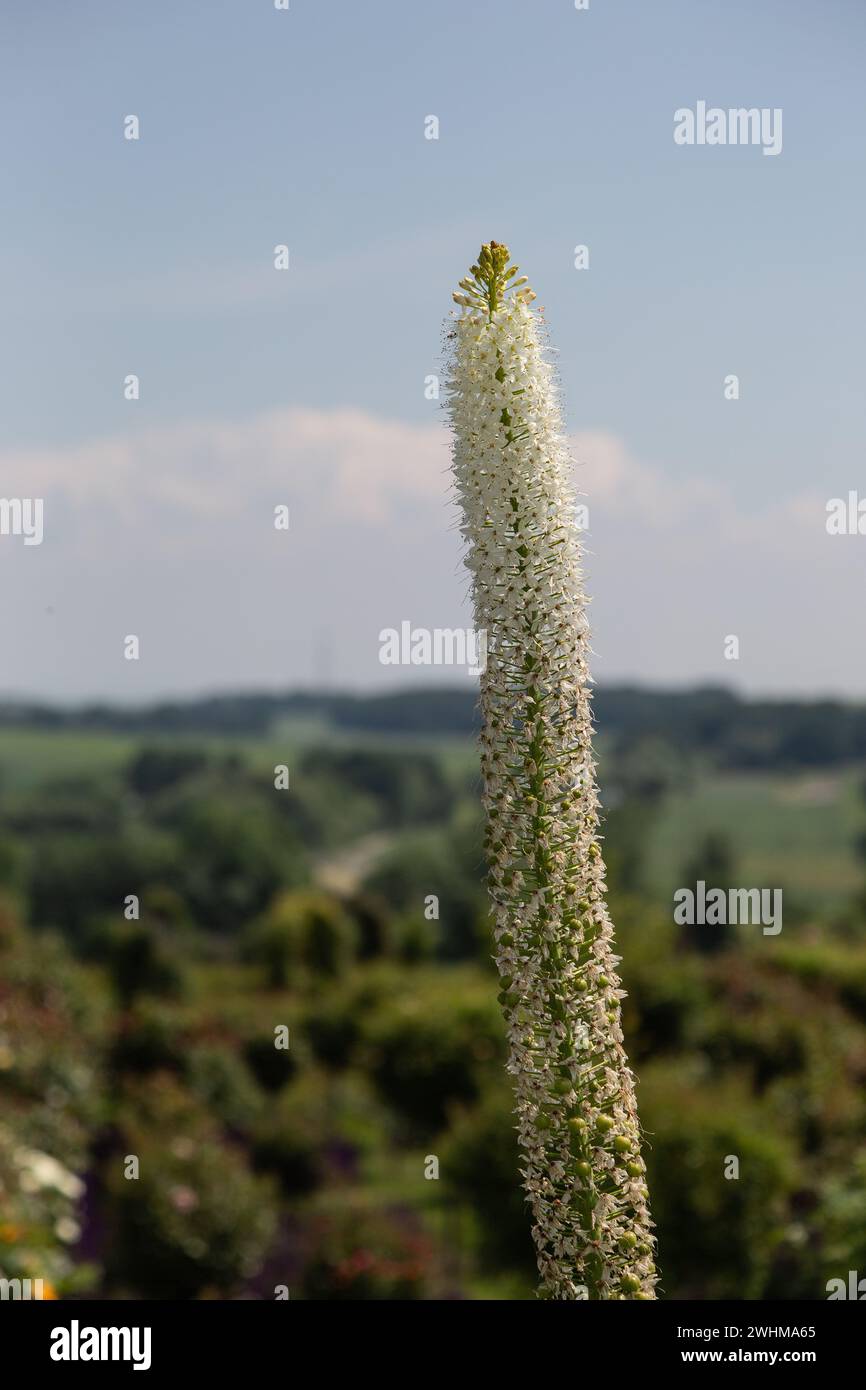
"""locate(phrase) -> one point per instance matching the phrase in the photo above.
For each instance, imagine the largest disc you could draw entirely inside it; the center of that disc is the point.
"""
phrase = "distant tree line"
(731, 731)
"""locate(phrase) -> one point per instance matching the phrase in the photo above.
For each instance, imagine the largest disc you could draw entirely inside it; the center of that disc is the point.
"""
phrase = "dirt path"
(344, 871)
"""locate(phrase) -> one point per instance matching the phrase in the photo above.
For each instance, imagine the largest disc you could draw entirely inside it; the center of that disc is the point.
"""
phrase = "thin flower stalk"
(577, 1122)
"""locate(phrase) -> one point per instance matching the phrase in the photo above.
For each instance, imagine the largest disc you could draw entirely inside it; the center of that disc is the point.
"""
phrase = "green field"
(793, 831)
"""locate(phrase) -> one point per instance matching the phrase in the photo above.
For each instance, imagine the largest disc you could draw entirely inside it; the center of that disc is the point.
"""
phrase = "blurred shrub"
(414, 940)
(334, 1020)
(236, 855)
(373, 923)
(165, 908)
(53, 1022)
(196, 1220)
(333, 1026)
(449, 864)
(154, 769)
(272, 1066)
(291, 1154)
(407, 785)
(426, 1038)
(12, 862)
(140, 961)
(41, 1219)
(302, 933)
(832, 969)
(480, 1166)
(434, 1042)
(662, 1010)
(717, 1236)
(319, 1128)
(770, 1042)
(218, 1079)
(841, 1223)
(151, 1037)
(711, 860)
(804, 1053)
(74, 879)
(361, 1255)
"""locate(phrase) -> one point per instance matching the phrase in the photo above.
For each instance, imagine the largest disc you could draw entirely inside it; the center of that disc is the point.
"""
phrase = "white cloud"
(168, 532)
(347, 462)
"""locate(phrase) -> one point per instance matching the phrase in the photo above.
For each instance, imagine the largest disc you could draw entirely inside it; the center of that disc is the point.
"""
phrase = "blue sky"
(261, 127)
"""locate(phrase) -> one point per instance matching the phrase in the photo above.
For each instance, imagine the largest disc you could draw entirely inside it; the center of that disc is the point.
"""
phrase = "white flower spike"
(575, 1103)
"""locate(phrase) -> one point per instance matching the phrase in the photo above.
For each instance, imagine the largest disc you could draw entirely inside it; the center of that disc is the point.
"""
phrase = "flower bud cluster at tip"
(484, 289)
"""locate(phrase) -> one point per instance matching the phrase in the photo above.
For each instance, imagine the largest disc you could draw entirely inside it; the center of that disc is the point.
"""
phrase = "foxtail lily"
(577, 1122)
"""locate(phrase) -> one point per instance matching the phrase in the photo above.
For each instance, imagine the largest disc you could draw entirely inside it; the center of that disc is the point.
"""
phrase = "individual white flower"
(577, 1120)
(41, 1170)
(67, 1230)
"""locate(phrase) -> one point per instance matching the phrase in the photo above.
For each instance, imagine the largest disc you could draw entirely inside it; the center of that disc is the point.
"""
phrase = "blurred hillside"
(349, 909)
